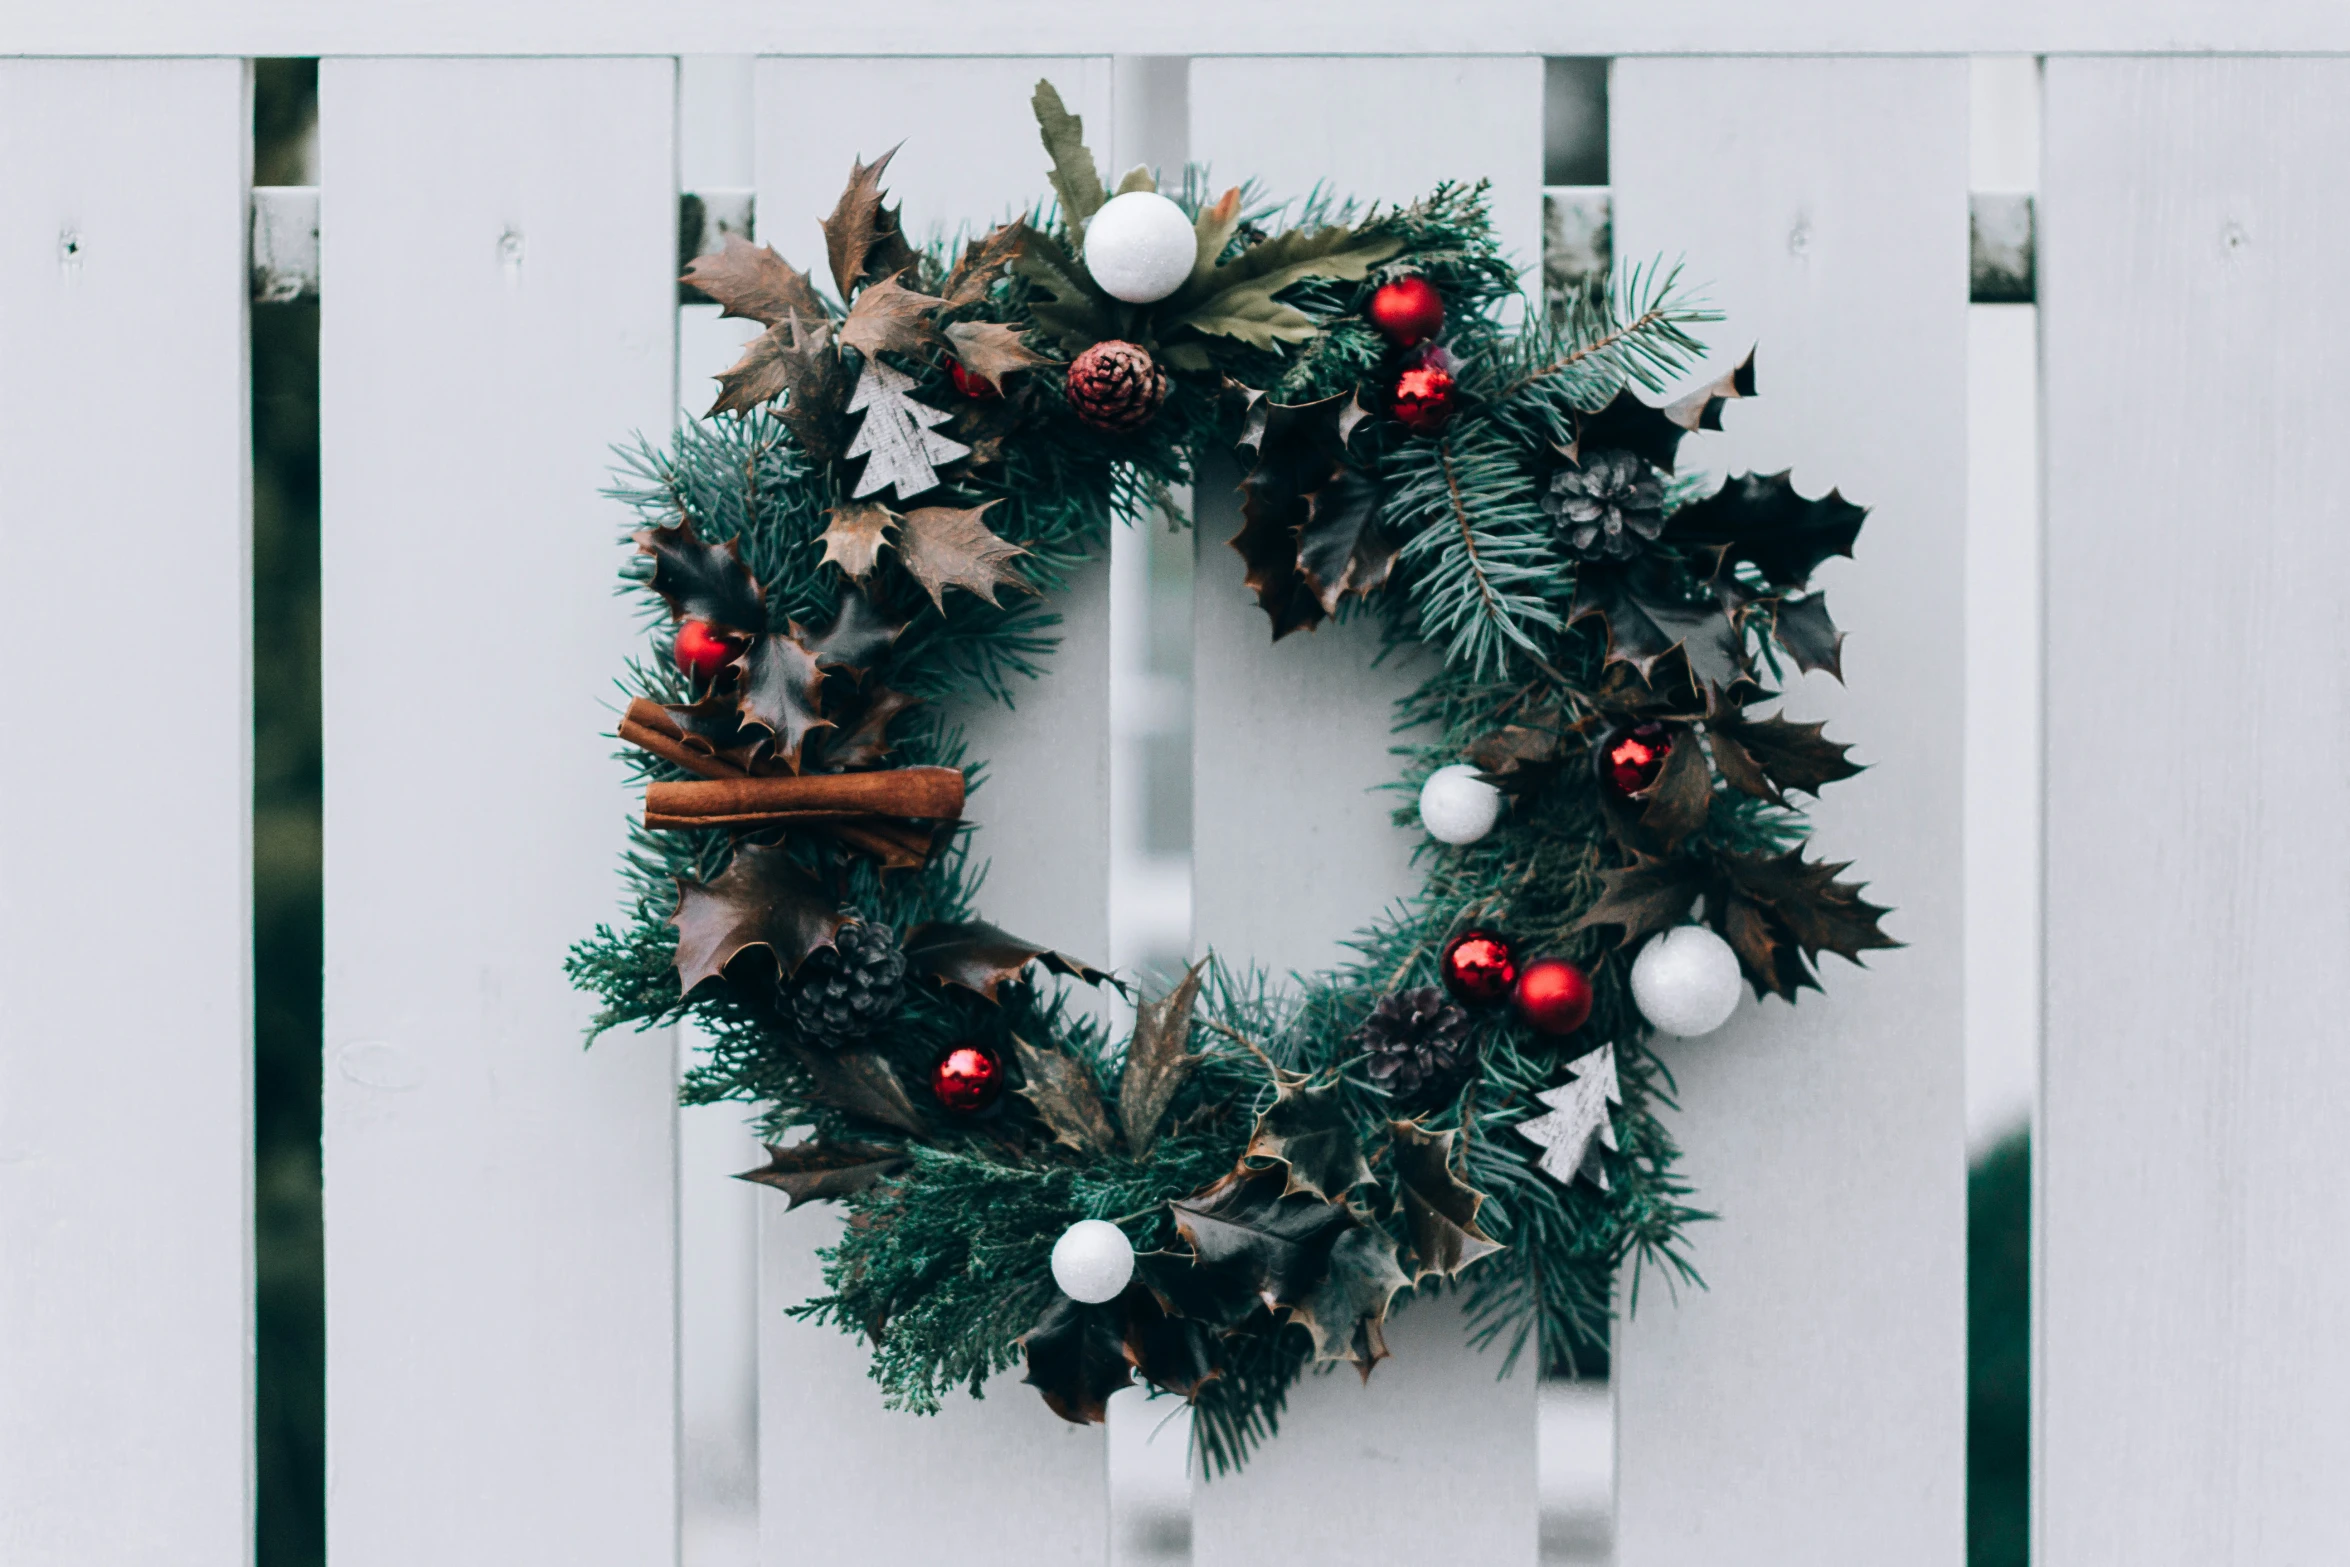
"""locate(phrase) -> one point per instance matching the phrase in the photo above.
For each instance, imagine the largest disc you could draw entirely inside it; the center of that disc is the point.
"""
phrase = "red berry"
(967, 1078)
(1408, 311)
(702, 651)
(971, 384)
(1423, 399)
(1554, 996)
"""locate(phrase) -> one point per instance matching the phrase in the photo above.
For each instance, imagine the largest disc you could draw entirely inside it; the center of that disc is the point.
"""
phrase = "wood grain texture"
(2193, 1383)
(500, 1207)
(1293, 849)
(125, 919)
(1004, 1480)
(1809, 1405)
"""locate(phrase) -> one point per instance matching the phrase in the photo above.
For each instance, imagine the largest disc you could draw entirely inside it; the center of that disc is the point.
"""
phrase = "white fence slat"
(2193, 1383)
(125, 919)
(501, 1216)
(1292, 851)
(1003, 1480)
(1809, 1405)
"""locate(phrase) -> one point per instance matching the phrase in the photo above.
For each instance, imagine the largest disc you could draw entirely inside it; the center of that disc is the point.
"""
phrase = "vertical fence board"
(1292, 850)
(125, 953)
(1003, 1480)
(2193, 1384)
(501, 1300)
(1809, 1405)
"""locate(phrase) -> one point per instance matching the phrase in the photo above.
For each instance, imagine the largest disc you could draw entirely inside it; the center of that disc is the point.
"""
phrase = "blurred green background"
(288, 955)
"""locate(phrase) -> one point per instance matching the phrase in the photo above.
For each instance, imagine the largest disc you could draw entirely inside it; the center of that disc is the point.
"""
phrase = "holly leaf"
(753, 282)
(1771, 962)
(819, 1171)
(780, 689)
(1440, 1209)
(979, 957)
(1158, 1059)
(1820, 913)
(1702, 409)
(854, 535)
(1075, 180)
(982, 262)
(714, 725)
(1062, 1091)
(1063, 300)
(858, 636)
(946, 547)
(1760, 519)
(1647, 895)
(1803, 628)
(859, 1083)
(1173, 1353)
(1347, 1312)
(1519, 757)
(991, 350)
(861, 238)
(1308, 1131)
(760, 900)
(865, 743)
(1311, 528)
(889, 318)
(794, 360)
(1683, 793)
(1645, 621)
(1218, 1298)
(1762, 756)
(1236, 300)
(1280, 1245)
(703, 581)
(1077, 1359)
(1626, 424)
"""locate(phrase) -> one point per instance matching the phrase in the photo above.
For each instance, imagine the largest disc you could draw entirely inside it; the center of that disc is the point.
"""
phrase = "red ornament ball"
(1423, 399)
(1554, 996)
(968, 1078)
(1478, 967)
(701, 649)
(972, 385)
(1408, 311)
(1630, 759)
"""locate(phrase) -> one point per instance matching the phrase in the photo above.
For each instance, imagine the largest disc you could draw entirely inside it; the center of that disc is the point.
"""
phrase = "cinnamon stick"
(648, 726)
(926, 793)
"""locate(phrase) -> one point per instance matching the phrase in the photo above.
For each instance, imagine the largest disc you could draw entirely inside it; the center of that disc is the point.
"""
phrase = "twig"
(1599, 344)
(1460, 513)
(1241, 1039)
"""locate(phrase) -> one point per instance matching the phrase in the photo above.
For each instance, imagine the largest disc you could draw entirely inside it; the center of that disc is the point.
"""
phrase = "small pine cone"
(844, 992)
(1608, 506)
(1116, 386)
(1419, 1045)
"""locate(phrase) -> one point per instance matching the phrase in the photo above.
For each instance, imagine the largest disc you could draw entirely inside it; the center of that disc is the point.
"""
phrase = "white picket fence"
(499, 191)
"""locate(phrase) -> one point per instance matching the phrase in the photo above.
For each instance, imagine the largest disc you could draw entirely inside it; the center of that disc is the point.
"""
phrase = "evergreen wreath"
(1276, 1165)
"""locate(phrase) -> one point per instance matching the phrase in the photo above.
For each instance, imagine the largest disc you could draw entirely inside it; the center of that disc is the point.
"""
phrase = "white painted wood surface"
(500, 1205)
(1291, 850)
(1810, 1405)
(1003, 1480)
(125, 919)
(2193, 1380)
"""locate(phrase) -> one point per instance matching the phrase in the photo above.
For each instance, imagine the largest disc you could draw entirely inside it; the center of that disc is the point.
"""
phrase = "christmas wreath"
(856, 540)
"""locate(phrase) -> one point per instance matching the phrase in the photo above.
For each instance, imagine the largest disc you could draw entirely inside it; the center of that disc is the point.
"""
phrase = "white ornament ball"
(1092, 1261)
(1140, 247)
(1686, 981)
(1457, 806)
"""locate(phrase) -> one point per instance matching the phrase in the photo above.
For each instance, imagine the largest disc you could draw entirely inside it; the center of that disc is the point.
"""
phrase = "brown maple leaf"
(889, 318)
(762, 899)
(991, 350)
(862, 238)
(753, 282)
(854, 536)
(797, 361)
(1062, 1091)
(1157, 1061)
(818, 1171)
(952, 547)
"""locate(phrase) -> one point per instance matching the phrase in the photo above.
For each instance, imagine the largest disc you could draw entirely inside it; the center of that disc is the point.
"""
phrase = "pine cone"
(1608, 506)
(844, 992)
(1419, 1045)
(1116, 386)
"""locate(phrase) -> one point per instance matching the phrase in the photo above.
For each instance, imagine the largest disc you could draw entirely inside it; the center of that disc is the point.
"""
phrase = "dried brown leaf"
(753, 282)
(991, 350)
(952, 547)
(1062, 1091)
(817, 1171)
(1157, 1061)
(982, 262)
(854, 536)
(781, 691)
(859, 1083)
(889, 318)
(861, 238)
(980, 957)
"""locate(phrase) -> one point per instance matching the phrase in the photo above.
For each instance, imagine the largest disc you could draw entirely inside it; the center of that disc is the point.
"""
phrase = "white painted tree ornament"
(1140, 247)
(1685, 981)
(1458, 806)
(1578, 1115)
(1092, 1261)
(896, 439)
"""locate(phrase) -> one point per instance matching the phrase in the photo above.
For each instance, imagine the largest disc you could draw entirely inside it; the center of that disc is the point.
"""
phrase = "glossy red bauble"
(701, 650)
(1554, 996)
(1630, 759)
(1478, 967)
(1408, 311)
(975, 387)
(968, 1078)
(1423, 399)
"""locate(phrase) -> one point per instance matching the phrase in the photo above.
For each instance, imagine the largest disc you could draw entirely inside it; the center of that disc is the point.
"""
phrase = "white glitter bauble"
(1457, 806)
(1140, 247)
(1686, 981)
(1092, 1261)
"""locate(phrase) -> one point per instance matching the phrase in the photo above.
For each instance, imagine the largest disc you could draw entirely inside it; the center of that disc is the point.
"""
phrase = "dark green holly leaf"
(980, 957)
(703, 581)
(1520, 757)
(761, 900)
(1646, 896)
(1220, 1298)
(817, 1171)
(1245, 1224)
(1821, 913)
(1347, 1312)
(1759, 518)
(1174, 1354)
(1062, 1091)
(1702, 409)
(1683, 793)
(781, 691)
(714, 725)
(1309, 1132)
(859, 1083)
(1158, 1059)
(1645, 621)
(1803, 628)
(1762, 756)
(1311, 531)
(858, 636)
(1077, 1359)
(1773, 964)
(865, 743)
(1653, 435)
(1440, 1209)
